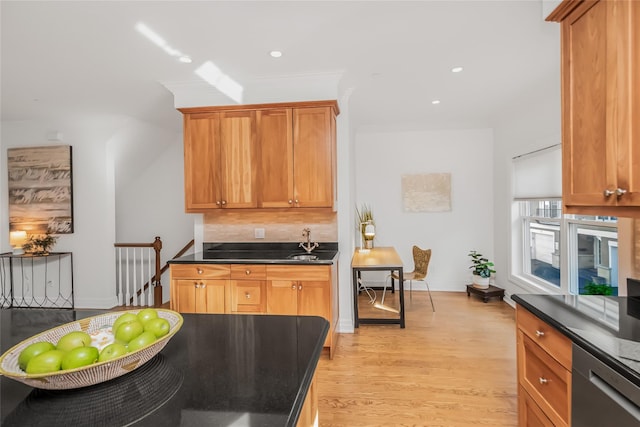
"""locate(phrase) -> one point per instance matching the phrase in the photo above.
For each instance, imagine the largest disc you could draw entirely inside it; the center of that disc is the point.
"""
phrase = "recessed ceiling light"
(456, 69)
(435, 102)
(275, 54)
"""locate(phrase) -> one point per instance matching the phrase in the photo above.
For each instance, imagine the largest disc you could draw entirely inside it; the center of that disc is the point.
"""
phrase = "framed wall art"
(40, 189)
(429, 192)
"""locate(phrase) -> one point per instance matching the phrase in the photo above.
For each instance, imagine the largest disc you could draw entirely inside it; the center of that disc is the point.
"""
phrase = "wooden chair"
(421, 258)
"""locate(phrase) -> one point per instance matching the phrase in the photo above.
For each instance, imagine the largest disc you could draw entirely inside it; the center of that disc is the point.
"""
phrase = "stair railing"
(133, 267)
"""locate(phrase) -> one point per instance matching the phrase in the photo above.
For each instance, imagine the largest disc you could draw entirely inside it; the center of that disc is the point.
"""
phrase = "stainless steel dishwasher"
(601, 397)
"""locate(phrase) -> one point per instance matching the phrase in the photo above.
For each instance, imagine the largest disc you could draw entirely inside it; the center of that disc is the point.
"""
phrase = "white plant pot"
(480, 282)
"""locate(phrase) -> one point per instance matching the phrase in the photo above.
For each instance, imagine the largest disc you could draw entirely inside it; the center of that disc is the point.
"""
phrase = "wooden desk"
(376, 259)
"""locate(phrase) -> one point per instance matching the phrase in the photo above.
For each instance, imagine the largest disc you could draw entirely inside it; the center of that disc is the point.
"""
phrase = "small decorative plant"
(40, 244)
(481, 266)
(591, 288)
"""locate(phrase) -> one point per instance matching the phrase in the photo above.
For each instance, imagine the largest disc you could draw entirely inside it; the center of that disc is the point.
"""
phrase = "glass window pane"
(596, 260)
(544, 247)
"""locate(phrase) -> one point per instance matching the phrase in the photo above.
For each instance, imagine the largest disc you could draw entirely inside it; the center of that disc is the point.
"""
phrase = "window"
(565, 253)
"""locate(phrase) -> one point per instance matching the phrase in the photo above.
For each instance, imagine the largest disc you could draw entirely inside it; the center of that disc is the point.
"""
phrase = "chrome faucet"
(308, 245)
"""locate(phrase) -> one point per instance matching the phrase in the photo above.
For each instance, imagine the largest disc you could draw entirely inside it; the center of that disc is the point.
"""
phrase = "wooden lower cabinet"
(199, 288)
(544, 372)
(529, 413)
(248, 288)
(258, 289)
(200, 296)
(309, 412)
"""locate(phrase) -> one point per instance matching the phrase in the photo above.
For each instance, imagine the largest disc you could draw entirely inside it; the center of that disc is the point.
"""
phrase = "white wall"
(93, 199)
(383, 157)
(149, 183)
(532, 124)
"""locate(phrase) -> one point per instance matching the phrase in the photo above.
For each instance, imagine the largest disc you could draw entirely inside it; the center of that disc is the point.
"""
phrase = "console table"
(36, 281)
(377, 259)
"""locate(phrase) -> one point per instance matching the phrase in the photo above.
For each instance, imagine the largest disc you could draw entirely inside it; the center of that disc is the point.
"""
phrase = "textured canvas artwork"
(40, 189)
(429, 192)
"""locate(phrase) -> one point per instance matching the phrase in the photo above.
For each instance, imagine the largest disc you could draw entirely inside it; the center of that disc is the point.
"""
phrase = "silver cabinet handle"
(195, 285)
(543, 380)
(539, 333)
(299, 287)
(293, 287)
(247, 272)
(247, 295)
(297, 201)
(203, 285)
(620, 192)
(218, 202)
(224, 202)
(608, 193)
(199, 271)
(290, 201)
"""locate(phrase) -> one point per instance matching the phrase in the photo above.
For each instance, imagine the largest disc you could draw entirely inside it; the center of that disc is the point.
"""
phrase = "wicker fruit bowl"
(91, 374)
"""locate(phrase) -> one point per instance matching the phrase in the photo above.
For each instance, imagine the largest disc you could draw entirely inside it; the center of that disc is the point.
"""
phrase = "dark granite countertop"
(259, 253)
(217, 370)
(607, 327)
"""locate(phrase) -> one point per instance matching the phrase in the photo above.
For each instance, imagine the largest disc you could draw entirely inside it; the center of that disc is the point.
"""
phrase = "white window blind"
(538, 175)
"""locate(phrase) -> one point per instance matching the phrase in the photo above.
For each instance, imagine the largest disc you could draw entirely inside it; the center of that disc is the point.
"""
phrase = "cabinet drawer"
(296, 272)
(545, 335)
(248, 296)
(248, 271)
(546, 380)
(200, 271)
(529, 413)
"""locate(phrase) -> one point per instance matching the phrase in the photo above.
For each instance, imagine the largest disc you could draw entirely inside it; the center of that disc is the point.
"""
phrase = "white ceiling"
(393, 57)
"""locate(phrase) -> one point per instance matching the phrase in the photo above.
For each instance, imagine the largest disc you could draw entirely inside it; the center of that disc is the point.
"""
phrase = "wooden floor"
(454, 367)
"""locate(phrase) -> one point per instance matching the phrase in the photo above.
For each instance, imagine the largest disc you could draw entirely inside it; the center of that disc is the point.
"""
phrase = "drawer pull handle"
(620, 192)
(543, 380)
(247, 295)
(539, 333)
(608, 193)
(247, 272)
(199, 270)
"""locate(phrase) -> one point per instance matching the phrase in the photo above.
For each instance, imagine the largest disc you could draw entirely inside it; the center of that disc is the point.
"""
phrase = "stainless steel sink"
(303, 257)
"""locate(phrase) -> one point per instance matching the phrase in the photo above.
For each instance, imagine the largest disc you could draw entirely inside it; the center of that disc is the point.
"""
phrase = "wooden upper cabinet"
(220, 160)
(238, 159)
(600, 106)
(313, 156)
(260, 156)
(275, 138)
(201, 161)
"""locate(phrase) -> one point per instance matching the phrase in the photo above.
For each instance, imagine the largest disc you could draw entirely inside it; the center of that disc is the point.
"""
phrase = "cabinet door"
(238, 159)
(313, 152)
(282, 297)
(601, 92)
(185, 296)
(529, 413)
(313, 299)
(201, 161)
(210, 296)
(247, 296)
(275, 136)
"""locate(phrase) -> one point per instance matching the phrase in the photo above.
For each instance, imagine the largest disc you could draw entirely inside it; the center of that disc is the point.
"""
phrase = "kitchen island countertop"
(251, 370)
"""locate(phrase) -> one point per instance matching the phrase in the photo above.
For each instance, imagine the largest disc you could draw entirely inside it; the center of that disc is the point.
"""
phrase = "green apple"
(33, 350)
(124, 318)
(159, 327)
(79, 356)
(112, 351)
(140, 341)
(147, 314)
(72, 340)
(49, 361)
(128, 331)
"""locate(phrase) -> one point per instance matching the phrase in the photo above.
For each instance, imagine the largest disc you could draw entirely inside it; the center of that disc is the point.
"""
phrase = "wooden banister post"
(157, 286)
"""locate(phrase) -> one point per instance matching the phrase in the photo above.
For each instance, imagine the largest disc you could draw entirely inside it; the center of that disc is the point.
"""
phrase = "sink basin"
(303, 257)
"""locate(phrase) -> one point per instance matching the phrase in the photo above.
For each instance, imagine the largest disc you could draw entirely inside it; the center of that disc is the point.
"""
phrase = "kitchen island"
(217, 370)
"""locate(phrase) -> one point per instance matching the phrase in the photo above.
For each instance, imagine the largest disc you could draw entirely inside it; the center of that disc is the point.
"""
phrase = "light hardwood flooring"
(455, 367)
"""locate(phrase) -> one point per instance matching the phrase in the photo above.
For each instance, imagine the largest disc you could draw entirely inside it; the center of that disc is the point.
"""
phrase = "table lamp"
(369, 234)
(17, 239)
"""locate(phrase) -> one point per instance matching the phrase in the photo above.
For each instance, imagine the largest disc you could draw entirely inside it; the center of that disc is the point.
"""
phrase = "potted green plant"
(592, 288)
(481, 269)
(39, 244)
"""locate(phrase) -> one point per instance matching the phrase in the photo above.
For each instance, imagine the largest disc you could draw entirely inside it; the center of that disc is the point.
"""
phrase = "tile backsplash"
(279, 226)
